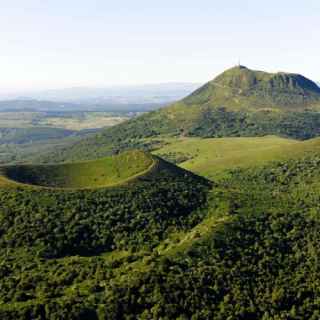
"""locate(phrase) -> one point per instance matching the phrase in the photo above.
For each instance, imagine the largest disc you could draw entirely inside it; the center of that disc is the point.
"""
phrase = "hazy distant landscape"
(57, 117)
(113, 95)
(72, 120)
(23, 132)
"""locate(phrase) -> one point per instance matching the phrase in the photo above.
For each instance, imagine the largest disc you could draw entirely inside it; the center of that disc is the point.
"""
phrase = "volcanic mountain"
(239, 102)
(49, 208)
(240, 87)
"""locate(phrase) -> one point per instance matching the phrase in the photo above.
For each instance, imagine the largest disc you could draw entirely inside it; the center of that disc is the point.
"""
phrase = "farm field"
(65, 120)
(88, 120)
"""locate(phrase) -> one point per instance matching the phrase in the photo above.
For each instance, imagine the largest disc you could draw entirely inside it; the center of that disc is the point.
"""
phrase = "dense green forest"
(167, 248)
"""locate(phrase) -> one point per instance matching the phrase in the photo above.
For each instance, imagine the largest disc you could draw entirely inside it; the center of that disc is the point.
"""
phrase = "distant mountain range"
(18, 105)
(36, 105)
(134, 94)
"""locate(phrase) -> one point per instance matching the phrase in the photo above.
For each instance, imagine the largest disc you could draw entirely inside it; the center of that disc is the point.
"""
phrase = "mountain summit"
(245, 88)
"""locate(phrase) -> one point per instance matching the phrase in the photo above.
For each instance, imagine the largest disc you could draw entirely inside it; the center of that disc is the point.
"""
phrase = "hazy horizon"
(57, 45)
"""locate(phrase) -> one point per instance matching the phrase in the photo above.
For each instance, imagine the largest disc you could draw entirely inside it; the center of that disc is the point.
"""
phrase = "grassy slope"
(238, 103)
(213, 157)
(91, 174)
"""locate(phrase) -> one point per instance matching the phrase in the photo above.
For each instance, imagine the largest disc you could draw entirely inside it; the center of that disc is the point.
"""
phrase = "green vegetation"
(165, 247)
(240, 87)
(91, 174)
(13, 153)
(213, 157)
(238, 103)
(58, 247)
(25, 135)
(135, 214)
(133, 236)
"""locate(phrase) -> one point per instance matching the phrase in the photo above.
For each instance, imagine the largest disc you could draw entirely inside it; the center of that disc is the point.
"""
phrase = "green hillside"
(239, 102)
(240, 87)
(137, 211)
(214, 158)
(167, 246)
(91, 174)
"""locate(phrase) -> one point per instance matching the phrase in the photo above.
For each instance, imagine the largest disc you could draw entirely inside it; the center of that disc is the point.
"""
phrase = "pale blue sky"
(55, 43)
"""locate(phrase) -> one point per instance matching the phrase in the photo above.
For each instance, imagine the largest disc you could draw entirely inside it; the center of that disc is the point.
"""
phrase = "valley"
(26, 132)
(76, 120)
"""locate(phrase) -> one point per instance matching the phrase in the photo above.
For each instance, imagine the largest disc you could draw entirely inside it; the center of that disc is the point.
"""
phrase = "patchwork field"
(77, 120)
(89, 120)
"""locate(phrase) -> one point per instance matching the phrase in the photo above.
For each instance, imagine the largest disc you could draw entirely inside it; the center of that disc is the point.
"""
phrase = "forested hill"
(166, 247)
(239, 102)
(124, 202)
(99, 173)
